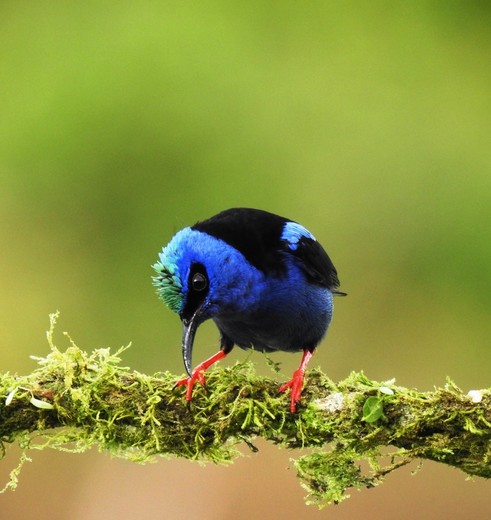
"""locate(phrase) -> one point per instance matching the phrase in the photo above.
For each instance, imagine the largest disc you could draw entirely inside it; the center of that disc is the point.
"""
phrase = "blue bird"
(263, 279)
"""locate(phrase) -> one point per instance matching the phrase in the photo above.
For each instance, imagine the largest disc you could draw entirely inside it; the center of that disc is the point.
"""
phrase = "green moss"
(77, 400)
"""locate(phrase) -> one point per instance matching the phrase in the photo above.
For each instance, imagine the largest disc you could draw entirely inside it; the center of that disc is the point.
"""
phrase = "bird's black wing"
(315, 263)
(259, 236)
(253, 232)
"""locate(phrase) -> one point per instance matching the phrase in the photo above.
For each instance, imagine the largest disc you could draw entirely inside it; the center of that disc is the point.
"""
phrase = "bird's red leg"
(296, 382)
(198, 374)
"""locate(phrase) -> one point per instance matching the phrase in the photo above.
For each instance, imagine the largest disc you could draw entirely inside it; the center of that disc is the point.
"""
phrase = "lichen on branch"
(76, 400)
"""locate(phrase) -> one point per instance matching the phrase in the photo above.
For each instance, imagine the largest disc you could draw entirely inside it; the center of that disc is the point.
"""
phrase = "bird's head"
(199, 277)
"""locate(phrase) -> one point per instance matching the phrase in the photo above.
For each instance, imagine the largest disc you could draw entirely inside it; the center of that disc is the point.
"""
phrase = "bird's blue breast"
(288, 313)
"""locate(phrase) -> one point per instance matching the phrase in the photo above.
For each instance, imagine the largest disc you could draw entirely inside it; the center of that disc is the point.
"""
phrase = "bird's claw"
(198, 376)
(296, 385)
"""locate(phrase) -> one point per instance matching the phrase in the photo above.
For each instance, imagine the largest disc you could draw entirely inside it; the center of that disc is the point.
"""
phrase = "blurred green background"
(368, 122)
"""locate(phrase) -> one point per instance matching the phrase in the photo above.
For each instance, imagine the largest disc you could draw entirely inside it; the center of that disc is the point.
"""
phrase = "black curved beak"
(189, 328)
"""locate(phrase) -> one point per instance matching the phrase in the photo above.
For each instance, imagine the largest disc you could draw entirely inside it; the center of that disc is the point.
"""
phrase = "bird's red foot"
(296, 385)
(198, 375)
(296, 382)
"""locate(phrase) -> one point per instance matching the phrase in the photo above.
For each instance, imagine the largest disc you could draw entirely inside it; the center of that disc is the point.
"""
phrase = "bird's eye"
(199, 282)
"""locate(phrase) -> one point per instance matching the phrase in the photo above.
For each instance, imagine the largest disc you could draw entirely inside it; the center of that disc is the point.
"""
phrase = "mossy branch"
(75, 400)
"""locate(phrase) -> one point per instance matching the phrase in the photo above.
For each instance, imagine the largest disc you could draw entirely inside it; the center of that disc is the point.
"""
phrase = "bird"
(264, 280)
